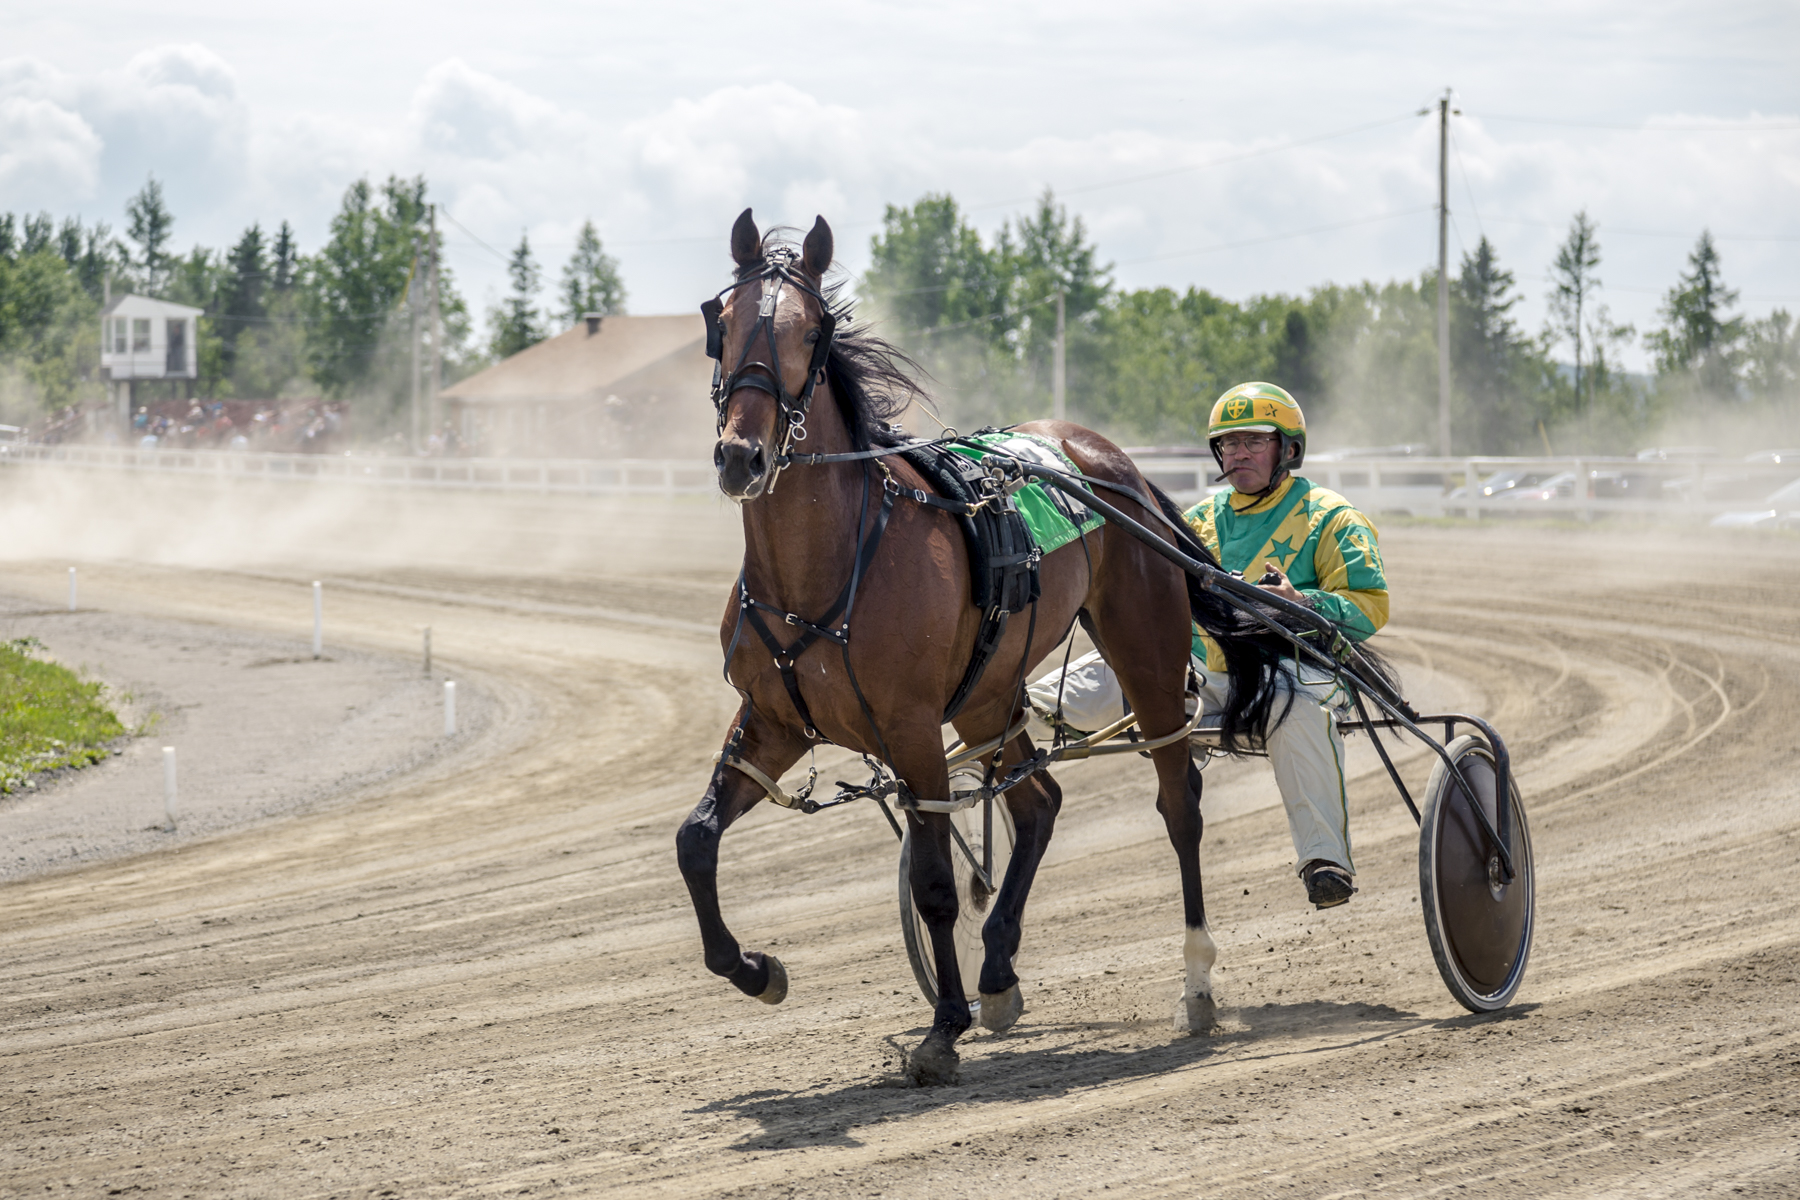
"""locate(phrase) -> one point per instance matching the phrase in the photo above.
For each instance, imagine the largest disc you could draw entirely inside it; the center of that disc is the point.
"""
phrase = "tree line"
(277, 322)
(1146, 365)
(977, 313)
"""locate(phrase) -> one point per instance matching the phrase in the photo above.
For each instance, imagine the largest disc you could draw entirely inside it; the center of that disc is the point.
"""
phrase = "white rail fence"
(587, 477)
(1422, 487)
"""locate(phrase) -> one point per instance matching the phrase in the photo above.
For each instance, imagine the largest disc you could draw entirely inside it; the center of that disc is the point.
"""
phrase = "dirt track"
(489, 981)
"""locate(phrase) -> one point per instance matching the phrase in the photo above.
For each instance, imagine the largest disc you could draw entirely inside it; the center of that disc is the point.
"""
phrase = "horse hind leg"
(1195, 1009)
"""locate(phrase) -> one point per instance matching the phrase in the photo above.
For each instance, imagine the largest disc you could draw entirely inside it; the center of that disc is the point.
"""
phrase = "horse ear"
(746, 242)
(817, 248)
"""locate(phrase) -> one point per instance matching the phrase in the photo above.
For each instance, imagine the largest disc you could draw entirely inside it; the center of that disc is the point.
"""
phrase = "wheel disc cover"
(1485, 920)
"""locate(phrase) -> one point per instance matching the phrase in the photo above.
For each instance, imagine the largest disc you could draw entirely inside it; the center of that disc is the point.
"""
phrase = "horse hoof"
(776, 992)
(934, 1062)
(1000, 1012)
(1196, 1014)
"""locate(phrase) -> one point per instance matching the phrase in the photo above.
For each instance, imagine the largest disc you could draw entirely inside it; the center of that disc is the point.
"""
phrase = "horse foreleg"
(1178, 800)
(1033, 803)
(933, 882)
(729, 796)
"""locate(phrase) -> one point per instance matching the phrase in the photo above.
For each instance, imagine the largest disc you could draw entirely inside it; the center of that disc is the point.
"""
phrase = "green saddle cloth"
(1054, 517)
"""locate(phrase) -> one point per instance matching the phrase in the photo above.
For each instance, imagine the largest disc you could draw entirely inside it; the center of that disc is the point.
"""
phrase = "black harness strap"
(833, 626)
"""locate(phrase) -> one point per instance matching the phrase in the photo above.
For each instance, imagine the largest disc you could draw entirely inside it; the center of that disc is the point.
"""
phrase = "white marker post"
(169, 785)
(428, 652)
(449, 707)
(318, 619)
(71, 589)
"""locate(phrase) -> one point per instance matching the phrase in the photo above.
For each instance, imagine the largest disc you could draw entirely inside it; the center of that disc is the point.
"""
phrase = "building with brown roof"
(610, 387)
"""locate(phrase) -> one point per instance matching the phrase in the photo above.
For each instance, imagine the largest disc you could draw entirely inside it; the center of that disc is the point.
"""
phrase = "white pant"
(1304, 749)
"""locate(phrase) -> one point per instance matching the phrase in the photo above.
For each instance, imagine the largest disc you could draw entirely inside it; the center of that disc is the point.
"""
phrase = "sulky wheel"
(973, 900)
(1479, 925)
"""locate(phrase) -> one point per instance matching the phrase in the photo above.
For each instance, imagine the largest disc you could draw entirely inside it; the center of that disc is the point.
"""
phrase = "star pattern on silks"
(1283, 548)
(1313, 506)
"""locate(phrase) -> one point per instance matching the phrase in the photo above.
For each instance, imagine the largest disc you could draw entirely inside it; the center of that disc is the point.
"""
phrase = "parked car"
(1677, 453)
(1626, 485)
(1733, 483)
(1557, 487)
(1403, 451)
(1502, 482)
(1781, 510)
(1777, 457)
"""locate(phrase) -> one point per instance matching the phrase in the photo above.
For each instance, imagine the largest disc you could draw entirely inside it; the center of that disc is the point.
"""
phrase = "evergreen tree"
(1697, 340)
(285, 255)
(150, 224)
(590, 280)
(241, 303)
(1490, 360)
(1573, 284)
(516, 322)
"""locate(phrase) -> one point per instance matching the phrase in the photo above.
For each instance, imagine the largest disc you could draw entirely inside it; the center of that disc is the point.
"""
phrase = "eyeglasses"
(1255, 443)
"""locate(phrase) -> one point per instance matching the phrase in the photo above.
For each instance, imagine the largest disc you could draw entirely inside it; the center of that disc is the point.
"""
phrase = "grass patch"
(50, 719)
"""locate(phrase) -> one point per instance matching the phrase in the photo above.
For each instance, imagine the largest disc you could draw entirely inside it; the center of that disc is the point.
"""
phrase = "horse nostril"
(758, 462)
(719, 456)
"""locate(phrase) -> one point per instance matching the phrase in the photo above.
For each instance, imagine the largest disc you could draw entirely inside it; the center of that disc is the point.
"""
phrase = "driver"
(1303, 543)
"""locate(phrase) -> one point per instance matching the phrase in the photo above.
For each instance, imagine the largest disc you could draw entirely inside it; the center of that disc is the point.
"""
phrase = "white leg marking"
(1195, 1011)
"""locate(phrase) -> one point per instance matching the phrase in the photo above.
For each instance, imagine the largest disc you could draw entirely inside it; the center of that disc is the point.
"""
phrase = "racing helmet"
(1259, 408)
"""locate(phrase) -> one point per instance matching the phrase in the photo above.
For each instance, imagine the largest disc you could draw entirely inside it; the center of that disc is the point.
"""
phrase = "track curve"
(485, 979)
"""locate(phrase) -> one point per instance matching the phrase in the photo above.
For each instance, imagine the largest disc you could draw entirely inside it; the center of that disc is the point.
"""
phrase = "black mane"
(873, 380)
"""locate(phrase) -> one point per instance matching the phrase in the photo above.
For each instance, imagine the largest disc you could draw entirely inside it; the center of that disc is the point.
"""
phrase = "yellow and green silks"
(1327, 549)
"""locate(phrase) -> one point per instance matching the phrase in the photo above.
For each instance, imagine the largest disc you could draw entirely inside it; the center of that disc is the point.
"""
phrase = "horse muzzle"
(743, 468)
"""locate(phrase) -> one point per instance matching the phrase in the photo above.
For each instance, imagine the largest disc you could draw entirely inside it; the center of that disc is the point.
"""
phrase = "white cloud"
(49, 156)
(459, 112)
(770, 144)
(172, 111)
(656, 122)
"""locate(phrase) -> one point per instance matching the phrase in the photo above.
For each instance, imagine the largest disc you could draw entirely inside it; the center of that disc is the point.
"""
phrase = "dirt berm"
(482, 976)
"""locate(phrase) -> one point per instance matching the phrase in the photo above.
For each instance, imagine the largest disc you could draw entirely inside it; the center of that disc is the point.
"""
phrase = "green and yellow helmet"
(1264, 408)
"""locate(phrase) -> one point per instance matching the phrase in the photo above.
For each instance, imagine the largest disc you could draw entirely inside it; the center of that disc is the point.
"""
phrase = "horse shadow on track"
(1055, 1059)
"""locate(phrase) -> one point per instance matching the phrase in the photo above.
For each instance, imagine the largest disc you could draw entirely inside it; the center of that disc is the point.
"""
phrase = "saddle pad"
(1054, 517)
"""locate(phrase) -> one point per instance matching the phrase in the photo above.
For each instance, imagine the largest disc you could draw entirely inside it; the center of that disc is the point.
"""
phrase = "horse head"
(771, 331)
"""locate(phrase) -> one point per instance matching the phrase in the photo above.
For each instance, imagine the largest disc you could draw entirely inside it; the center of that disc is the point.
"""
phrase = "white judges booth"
(141, 338)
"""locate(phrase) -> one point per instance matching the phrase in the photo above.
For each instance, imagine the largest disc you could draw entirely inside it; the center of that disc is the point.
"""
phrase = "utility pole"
(1059, 372)
(437, 328)
(413, 307)
(1443, 280)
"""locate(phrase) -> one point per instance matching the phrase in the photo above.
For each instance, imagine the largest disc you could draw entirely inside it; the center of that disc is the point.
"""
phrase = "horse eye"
(812, 339)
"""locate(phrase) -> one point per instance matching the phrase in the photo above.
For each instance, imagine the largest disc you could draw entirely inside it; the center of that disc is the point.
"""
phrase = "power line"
(1278, 237)
(1669, 233)
(1216, 162)
(1659, 291)
(1467, 187)
(505, 258)
(1638, 128)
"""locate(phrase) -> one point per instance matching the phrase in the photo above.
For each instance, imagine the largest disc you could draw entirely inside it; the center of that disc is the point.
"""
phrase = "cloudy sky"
(1243, 148)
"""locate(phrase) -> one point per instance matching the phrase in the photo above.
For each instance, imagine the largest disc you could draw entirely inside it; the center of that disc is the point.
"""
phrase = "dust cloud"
(49, 513)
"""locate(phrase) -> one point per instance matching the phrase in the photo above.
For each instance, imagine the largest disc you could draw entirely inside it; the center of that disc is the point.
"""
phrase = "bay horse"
(871, 627)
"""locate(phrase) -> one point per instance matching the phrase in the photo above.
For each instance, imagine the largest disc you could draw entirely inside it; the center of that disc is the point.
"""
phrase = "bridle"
(777, 265)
